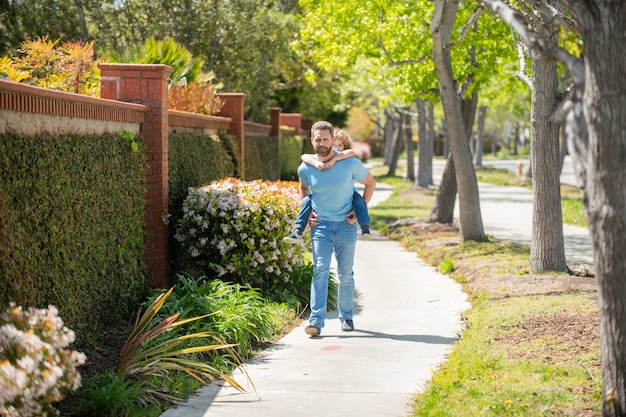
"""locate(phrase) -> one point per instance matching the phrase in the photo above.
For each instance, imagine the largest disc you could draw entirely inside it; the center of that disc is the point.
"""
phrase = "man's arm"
(370, 186)
(304, 190)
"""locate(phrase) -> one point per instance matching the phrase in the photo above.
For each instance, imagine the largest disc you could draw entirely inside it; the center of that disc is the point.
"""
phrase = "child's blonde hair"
(344, 138)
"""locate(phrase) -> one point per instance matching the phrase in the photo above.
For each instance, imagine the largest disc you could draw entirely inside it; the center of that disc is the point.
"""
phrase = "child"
(342, 143)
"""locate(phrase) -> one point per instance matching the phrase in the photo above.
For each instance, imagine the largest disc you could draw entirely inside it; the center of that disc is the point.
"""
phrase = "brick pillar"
(275, 132)
(293, 120)
(147, 85)
(233, 107)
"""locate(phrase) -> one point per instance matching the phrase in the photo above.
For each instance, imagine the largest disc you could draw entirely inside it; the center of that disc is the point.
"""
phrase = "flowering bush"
(36, 367)
(234, 229)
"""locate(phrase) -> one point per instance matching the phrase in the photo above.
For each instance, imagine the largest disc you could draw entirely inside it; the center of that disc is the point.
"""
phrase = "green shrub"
(233, 230)
(112, 394)
(290, 152)
(261, 158)
(72, 220)
(234, 315)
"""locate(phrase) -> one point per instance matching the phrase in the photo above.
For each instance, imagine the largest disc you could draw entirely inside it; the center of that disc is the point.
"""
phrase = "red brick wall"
(233, 107)
(147, 84)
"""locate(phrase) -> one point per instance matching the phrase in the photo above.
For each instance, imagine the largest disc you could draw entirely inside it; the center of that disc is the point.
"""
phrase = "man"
(333, 225)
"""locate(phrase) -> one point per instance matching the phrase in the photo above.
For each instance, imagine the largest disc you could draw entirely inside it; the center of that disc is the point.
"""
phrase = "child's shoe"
(365, 233)
(294, 237)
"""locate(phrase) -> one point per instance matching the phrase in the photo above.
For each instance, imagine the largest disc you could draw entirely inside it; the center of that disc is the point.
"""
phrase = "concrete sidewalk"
(406, 318)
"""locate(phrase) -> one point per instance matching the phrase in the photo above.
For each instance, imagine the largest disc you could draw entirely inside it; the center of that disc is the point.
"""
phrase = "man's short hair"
(323, 125)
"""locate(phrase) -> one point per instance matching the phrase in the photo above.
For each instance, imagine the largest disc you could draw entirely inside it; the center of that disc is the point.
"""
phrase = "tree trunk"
(396, 143)
(596, 130)
(425, 148)
(547, 248)
(407, 133)
(562, 152)
(480, 137)
(443, 208)
(84, 32)
(515, 139)
(389, 136)
(430, 124)
(470, 218)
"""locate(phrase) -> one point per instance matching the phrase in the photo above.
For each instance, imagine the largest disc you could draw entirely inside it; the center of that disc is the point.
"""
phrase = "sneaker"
(347, 325)
(312, 330)
(365, 233)
(294, 237)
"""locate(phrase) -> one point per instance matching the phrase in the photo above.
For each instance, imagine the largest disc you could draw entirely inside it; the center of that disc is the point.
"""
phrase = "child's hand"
(313, 220)
(330, 163)
(351, 217)
(320, 166)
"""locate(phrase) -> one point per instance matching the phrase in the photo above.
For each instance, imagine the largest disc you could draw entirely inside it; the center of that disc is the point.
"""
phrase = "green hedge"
(195, 160)
(290, 152)
(72, 223)
(261, 158)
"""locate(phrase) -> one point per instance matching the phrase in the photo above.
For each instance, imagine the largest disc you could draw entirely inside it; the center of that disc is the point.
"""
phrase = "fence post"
(233, 107)
(275, 132)
(147, 85)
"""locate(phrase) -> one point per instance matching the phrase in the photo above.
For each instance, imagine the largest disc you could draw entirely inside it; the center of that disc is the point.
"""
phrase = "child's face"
(337, 144)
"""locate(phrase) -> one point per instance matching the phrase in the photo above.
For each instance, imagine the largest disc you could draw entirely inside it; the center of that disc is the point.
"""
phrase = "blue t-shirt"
(333, 189)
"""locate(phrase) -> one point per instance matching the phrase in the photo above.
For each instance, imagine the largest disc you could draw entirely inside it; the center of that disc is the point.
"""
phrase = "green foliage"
(151, 351)
(112, 394)
(195, 160)
(573, 212)
(261, 156)
(233, 230)
(72, 222)
(166, 52)
(290, 151)
(446, 266)
(239, 315)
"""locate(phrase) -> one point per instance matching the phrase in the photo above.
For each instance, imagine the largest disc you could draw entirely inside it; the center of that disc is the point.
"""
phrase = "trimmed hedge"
(72, 227)
(261, 158)
(195, 160)
(290, 152)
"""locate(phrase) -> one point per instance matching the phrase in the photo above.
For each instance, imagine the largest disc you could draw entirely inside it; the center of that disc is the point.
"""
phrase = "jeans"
(327, 237)
(303, 214)
(360, 208)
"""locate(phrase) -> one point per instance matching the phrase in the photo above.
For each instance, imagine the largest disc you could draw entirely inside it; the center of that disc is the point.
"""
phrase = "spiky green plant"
(145, 354)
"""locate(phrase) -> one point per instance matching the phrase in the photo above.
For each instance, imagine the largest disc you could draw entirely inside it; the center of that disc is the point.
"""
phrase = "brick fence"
(133, 98)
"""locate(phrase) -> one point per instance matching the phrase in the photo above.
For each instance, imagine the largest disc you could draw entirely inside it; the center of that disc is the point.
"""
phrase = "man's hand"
(351, 217)
(313, 220)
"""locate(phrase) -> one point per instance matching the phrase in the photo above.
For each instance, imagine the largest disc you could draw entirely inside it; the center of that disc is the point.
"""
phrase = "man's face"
(322, 142)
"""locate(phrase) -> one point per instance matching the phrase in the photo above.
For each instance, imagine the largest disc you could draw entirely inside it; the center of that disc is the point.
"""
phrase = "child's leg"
(360, 208)
(303, 214)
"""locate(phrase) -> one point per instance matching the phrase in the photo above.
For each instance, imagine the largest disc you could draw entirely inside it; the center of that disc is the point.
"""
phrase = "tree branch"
(555, 14)
(470, 22)
(564, 106)
(521, 74)
(552, 51)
